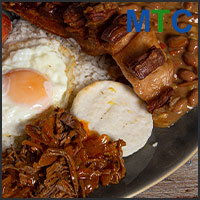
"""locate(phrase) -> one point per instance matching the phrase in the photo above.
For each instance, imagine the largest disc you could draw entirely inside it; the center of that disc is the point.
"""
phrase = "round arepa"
(113, 108)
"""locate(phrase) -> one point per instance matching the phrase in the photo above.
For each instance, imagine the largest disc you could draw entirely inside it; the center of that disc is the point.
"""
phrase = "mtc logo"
(145, 16)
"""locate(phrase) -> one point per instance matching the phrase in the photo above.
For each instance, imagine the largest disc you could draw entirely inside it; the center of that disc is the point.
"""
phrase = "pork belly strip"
(100, 29)
(153, 83)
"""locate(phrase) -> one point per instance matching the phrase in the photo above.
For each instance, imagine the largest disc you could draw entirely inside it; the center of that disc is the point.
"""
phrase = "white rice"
(88, 69)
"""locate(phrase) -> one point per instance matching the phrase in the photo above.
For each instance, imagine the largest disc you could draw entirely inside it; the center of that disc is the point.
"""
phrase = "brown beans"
(177, 41)
(195, 7)
(193, 19)
(190, 59)
(184, 19)
(188, 5)
(180, 106)
(193, 30)
(191, 6)
(177, 62)
(192, 46)
(173, 101)
(193, 98)
(182, 25)
(186, 75)
(175, 52)
(190, 85)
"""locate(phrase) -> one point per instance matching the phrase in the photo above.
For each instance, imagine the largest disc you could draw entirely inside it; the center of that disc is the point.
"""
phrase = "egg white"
(50, 59)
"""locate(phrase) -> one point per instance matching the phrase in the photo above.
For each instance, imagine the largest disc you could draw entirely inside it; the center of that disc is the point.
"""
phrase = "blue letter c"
(174, 21)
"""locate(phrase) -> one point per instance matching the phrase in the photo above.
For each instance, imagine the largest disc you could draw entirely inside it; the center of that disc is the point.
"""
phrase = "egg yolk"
(27, 87)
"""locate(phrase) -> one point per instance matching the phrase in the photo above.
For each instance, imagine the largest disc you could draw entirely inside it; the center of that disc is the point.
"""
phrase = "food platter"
(147, 167)
(79, 102)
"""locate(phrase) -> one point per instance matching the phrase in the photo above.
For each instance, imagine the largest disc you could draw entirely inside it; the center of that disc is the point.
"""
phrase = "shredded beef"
(60, 160)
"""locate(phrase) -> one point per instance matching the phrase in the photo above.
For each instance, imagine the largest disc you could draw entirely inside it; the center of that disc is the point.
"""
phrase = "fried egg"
(113, 108)
(36, 74)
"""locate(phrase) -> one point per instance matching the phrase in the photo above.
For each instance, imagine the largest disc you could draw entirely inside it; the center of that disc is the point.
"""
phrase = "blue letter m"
(131, 15)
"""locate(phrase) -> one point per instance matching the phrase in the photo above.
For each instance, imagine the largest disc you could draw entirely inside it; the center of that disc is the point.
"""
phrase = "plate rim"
(176, 167)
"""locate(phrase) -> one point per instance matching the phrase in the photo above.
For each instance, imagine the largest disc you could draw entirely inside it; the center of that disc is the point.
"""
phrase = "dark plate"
(151, 164)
